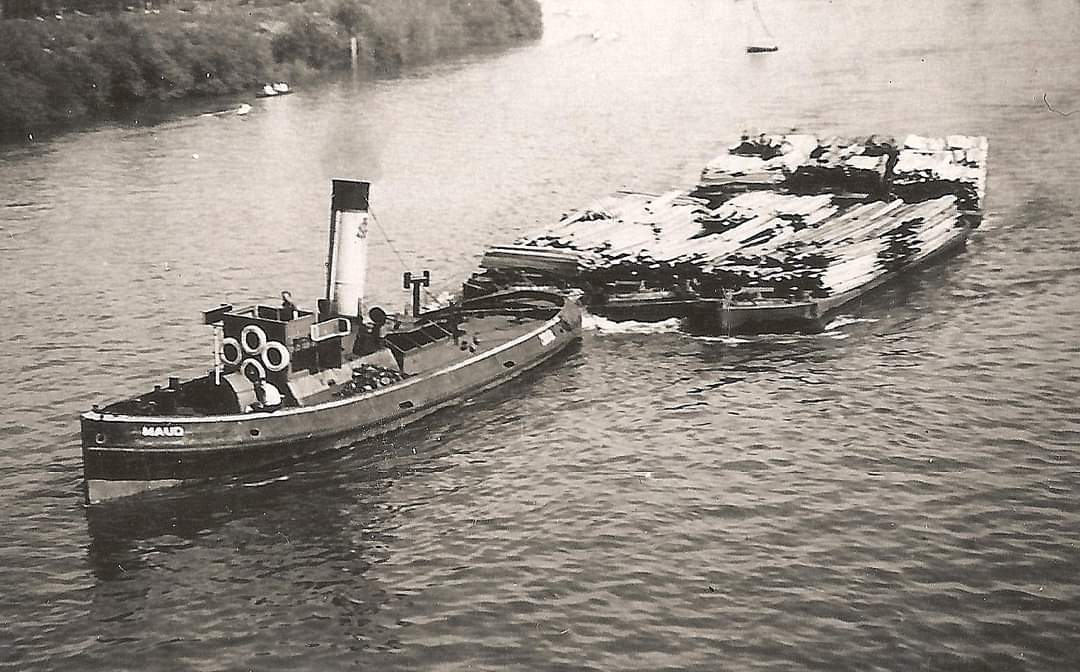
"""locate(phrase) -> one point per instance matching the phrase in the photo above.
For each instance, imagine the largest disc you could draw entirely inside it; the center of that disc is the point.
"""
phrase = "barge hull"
(707, 315)
(806, 316)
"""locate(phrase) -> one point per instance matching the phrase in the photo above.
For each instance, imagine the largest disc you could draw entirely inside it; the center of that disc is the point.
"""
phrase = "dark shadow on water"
(123, 532)
(898, 307)
(301, 542)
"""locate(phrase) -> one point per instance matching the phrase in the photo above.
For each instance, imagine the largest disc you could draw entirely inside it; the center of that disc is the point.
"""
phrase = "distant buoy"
(195, 155)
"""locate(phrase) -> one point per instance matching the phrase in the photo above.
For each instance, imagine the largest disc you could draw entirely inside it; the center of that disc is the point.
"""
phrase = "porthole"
(406, 404)
(99, 438)
(509, 364)
(254, 431)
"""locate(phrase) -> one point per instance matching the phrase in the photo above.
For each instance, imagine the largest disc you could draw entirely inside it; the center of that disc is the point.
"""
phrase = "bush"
(56, 71)
(315, 40)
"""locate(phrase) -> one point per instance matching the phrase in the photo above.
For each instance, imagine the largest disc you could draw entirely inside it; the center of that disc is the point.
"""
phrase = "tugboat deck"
(478, 334)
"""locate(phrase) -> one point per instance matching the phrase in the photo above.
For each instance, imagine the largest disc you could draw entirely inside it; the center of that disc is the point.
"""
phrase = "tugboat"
(287, 382)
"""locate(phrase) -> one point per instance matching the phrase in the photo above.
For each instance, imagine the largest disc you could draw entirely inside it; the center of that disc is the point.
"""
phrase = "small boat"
(288, 382)
(269, 90)
(760, 38)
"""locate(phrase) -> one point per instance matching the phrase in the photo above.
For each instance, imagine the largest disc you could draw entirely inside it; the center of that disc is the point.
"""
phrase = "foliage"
(55, 71)
(313, 39)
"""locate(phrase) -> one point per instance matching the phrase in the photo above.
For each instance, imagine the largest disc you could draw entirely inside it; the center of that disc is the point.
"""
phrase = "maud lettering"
(159, 430)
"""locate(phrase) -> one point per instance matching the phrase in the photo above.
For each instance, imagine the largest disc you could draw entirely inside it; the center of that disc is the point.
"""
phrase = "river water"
(897, 493)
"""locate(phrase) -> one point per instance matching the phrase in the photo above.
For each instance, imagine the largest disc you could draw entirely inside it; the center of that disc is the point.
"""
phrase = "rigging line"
(761, 21)
(401, 260)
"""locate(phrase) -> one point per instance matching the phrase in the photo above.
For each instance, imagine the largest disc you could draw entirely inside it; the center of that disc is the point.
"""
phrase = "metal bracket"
(408, 281)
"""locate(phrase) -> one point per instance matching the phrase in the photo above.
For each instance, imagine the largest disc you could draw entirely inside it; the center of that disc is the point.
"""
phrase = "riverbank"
(58, 71)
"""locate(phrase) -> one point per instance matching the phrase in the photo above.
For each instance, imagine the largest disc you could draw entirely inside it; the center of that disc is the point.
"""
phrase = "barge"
(288, 382)
(779, 234)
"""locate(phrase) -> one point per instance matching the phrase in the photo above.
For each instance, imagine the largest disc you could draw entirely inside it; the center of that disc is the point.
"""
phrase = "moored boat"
(760, 39)
(288, 382)
(275, 89)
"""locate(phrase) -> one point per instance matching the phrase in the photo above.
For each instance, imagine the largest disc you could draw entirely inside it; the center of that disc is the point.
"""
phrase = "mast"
(347, 260)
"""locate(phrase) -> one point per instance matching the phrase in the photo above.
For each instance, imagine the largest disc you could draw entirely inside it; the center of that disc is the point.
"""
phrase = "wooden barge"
(780, 233)
(287, 382)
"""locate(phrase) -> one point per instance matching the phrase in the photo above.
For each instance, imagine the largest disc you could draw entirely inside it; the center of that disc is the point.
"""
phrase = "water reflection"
(298, 543)
(287, 506)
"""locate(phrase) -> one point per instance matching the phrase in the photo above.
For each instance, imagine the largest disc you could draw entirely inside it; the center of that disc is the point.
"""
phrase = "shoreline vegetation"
(63, 69)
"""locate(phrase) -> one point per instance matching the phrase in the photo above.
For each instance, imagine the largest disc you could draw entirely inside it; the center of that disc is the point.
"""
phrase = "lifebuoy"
(275, 356)
(253, 370)
(230, 351)
(256, 332)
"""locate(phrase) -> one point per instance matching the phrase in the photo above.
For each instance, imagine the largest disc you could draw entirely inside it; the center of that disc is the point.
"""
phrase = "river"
(897, 493)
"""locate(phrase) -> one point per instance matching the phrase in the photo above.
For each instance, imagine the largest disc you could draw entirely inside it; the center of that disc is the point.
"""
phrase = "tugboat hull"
(125, 454)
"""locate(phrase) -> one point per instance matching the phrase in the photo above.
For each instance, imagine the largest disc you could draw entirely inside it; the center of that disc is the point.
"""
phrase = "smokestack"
(348, 247)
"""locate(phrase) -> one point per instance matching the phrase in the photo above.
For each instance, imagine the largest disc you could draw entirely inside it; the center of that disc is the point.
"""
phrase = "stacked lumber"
(770, 243)
(931, 167)
(843, 166)
(919, 169)
(774, 216)
(616, 234)
(907, 235)
(798, 163)
(840, 254)
(752, 164)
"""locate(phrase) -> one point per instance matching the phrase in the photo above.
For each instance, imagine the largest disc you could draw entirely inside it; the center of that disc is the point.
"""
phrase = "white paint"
(348, 264)
(158, 430)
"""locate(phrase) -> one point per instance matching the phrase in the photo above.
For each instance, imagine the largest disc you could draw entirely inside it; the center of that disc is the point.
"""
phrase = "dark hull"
(711, 316)
(645, 307)
(127, 454)
(812, 315)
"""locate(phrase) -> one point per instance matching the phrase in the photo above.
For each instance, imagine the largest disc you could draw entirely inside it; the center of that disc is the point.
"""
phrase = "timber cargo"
(779, 234)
